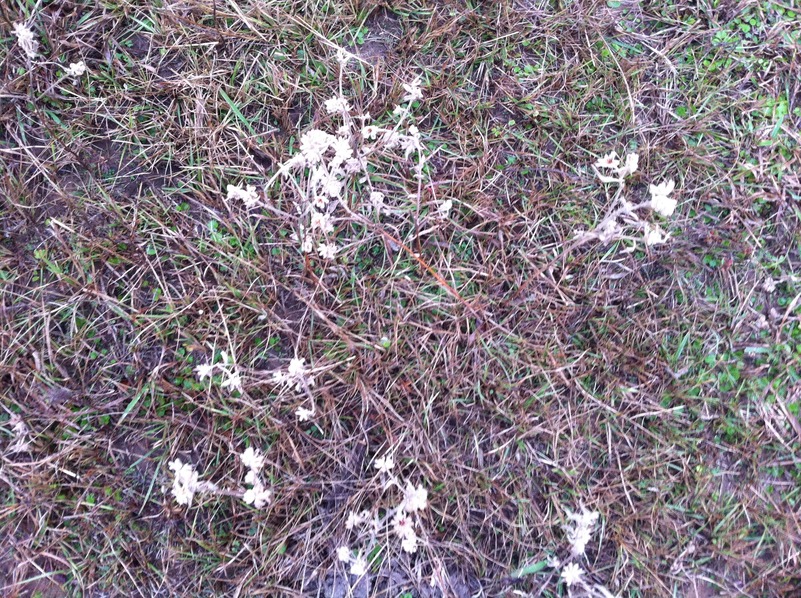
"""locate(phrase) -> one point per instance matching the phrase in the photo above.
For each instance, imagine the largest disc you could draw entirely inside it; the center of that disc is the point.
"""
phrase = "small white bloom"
(354, 165)
(630, 165)
(409, 543)
(320, 201)
(653, 235)
(415, 498)
(384, 464)
(377, 200)
(402, 524)
(398, 110)
(343, 554)
(331, 186)
(769, 285)
(354, 519)
(314, 144)
(610, 160)
(359, 566)
(26, 39)
(297, 367)
(258, 496)
(233, 381)
(370, 132)
(343, 57)
(610, 230)
(249, 196)
(660, 202)
(303, 414)
(322, 221)
(76, 69)
(204, 370)
(342, 151)
(184, 483)
(444, 208)
(252, 477)
(571, 574)
(327, 251)
(413, 91)
(580, 533)
(337, 104)
(308, 244)
(252, 459)
(21, 431)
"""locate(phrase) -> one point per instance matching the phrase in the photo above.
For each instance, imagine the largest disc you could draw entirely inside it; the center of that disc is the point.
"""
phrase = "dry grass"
(660, 388)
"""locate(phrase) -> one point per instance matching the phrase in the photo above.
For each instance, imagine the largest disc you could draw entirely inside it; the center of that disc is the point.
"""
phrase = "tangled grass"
(518, 377)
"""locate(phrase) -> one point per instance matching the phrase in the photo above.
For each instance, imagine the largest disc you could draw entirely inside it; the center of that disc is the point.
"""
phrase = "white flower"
(571, 574)
(660, 202)
(314, 144)
(320, 201)
(384, 464)
(76, 69)
(580, 534)
(304, 414)
(343, 57)
(321, 221)
(654, 235)
(21, 431)
(204, 370)
(252, 477)
(343, 554)
(370, 131)
(342, 151)
(233, 381)
(353, 520)
(402, 524)
(252, 459)
(258, 496)
(331, 185)
(413, 91)
(610, 160)
(630, 166)
(308, 244)
(297, 367)
(336, 104)
(26, 39)
(608, 231)
(249, 196)
(377, 199)
(414, 499)
(184, 483)
(409, 543)
(769, 285)
(445, 208)
(327, 251)
(359, 566)
(354, 165)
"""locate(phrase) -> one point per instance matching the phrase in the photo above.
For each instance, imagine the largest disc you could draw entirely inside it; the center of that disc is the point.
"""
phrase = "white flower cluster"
(232, 377)
(400, 521)
(257, 495)
(26, 40)
(297, 375)
(326, 163)
(580, 532)
(624, 213)
(76, 69)
(185, 482)
(21, 434)
(247, 195)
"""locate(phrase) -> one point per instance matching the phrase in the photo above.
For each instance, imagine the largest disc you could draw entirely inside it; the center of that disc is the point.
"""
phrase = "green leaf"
(530, 569)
